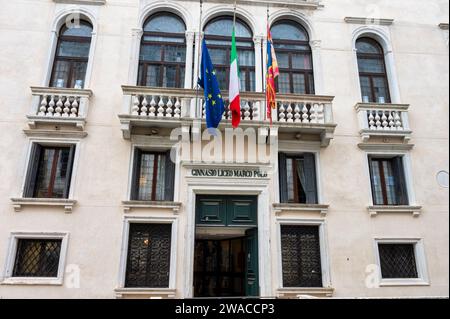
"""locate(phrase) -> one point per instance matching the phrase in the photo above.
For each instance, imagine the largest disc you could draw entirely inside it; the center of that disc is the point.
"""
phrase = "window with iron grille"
(153, 176)
(37, 258)
(301, 262)
(72, 55)
(388, 181)
(397, 261)
(49, 172)
(297, 175)
(148, 261)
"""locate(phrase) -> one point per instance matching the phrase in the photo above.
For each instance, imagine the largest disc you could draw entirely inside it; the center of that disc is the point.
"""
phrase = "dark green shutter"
(169, 178)
(371, 163)
(400, 181)
(310, 178)
(69, 171)
(282, 177)
(33, 166)
(136, 171)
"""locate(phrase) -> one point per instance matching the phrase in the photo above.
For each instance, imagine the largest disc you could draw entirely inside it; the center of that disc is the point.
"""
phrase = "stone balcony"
(386, 121)
(59, 106)
(169, 108)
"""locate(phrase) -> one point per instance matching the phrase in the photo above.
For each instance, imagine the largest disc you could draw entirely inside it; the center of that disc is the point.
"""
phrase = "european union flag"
(214, 106)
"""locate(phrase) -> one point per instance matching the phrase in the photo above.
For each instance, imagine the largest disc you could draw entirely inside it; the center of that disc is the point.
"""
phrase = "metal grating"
(300, 248)
(397, 261)
(37, 258)
(148, 262)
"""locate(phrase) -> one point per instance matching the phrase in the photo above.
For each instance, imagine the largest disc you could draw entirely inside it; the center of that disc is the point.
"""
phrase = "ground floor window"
(301, 259)
(148, 259)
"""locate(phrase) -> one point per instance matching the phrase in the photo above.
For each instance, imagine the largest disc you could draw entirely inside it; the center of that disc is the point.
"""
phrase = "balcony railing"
(383, 120)
(165, 107)
(59, 106)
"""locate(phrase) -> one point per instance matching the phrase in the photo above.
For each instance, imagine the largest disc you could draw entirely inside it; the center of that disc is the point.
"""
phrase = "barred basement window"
(388, 181)
(49, 172)
(301, 262)
(153, 176)
(397, 261)
(297, 176)
(148, 261)
(37, 258)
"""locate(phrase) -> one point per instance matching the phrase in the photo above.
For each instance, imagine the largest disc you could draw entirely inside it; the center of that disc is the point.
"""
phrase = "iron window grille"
(37, 258)
(398, 261)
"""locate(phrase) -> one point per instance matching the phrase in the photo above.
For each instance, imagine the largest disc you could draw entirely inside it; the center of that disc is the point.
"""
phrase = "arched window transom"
(372, 71)
(162, 55)
(218, 37)
(291, 42)
(72, 55)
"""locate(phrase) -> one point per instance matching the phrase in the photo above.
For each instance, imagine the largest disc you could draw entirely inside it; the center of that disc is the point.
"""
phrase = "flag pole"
(197, 100)
(267, 57)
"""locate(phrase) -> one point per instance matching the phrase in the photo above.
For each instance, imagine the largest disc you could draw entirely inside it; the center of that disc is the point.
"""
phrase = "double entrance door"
(226, 246)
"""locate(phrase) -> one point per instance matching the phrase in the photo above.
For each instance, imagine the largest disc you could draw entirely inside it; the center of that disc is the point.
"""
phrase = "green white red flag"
(235, 99)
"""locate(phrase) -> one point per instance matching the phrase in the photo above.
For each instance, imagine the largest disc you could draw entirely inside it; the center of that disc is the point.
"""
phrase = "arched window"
(291, 42)
(72, 55)
(218, 37)
(163, 52)
(372, 71)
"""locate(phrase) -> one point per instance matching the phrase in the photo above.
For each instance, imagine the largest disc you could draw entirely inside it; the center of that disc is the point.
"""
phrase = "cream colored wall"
(95, 226)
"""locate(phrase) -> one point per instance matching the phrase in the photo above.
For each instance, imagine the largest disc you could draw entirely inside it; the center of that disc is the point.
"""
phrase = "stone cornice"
(91, 2)
(362, 20)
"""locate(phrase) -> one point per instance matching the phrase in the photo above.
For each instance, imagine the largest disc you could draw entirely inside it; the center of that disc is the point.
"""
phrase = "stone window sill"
(378, 209)
(135, 204)
(300, 208)
(403, 282)
(145, 293)
(67, 204)
(304, 293)
(32, 281)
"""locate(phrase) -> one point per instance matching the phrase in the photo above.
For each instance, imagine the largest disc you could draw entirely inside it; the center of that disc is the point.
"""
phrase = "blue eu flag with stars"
(214, 106)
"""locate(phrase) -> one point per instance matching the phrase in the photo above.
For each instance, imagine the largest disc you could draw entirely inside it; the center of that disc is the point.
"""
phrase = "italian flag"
(235, 100)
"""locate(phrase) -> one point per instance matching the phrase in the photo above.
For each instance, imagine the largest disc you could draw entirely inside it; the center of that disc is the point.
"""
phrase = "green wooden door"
(251, 272)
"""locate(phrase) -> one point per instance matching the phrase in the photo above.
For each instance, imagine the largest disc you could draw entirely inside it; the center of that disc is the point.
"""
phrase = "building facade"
(113, 188)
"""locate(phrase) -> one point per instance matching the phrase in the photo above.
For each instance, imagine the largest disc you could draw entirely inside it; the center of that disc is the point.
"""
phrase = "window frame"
(323, 244)
(143, 65)
(52, 143)
(173, 253)
(371, 75)
(14, 238)
(72, 60)
(307, 73)
(420, 258)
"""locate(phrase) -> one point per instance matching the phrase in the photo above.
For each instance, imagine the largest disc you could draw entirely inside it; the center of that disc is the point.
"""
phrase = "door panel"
(252, 273)
(241, 211)
(211, 211)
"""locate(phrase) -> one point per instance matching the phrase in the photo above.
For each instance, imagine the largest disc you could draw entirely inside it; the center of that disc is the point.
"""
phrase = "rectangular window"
(37, 258)
(49, 171)
(301, 261)
(298, 179)
(148, 260)
(397, 261)
(153, 176)
(388, 181)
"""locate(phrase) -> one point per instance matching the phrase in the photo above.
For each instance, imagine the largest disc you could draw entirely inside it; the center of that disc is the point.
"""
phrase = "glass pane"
(370, 65)
(289, 31)
(170, 77)
(60, 74)
(299, 83)
(224, 27)
(160, 182)
(366, 90)
(175, 54)
(246, 58)
(284, 83)
(376, 183)
(146, 177)
(74, 49)
(301, 179)
(78, 74)
(219, 56)
(222, 78)
(301, 61)
(390, 182)
(153, 75)
(283, 60)
(163, 39)
(81, 30)
(150, 53)
(167, 23)
(291, 46)
(368, 46)
(381, 90)
(52, 171)
(311, 89)
(252, 87)
(397, 261)
(290, 180)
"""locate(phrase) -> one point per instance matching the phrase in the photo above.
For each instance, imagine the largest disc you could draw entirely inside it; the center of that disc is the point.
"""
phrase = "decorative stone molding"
(293, 4)
(304, 293)
(145, 293)
(135, 204)
(91, 2)
(67, 204)
(376, 21)
(387, 147)
(300, 208)
(56, 133)
(375, 210)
